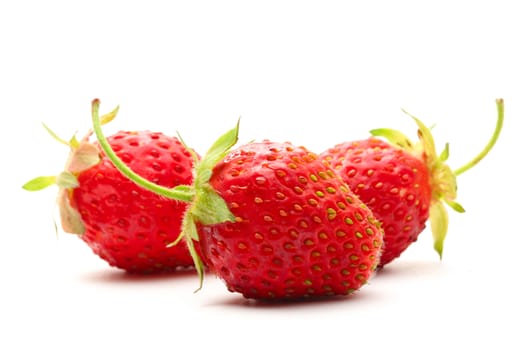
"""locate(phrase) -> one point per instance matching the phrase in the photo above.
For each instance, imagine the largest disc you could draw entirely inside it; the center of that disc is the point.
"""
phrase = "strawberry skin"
(298, 230)
(392, 182)
(129, 226)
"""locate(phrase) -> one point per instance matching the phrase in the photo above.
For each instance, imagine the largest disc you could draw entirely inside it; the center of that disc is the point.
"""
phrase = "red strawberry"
(295, 230)
(124, 224)
(404, 184)
(298, 230)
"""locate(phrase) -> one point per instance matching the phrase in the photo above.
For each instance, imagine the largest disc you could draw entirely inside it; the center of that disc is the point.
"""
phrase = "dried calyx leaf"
(82, 156)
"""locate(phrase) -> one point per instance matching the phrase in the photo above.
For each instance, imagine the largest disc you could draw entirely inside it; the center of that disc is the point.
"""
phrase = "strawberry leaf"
(180, 237)
(394, 136)
(425, 137)
(203, 175)
(106, 118)
(210, 208)
(73, 142)
(445, 153)
(194, 155)
(455, 206)
(216, 152)
(192, 236)
(189, 231)
(70, 218)
(83, 157)
(39, 183)
(55, 136)
(438, 225)
(66, 180)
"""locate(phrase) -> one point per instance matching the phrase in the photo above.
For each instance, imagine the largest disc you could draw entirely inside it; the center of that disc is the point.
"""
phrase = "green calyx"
(206, 206)
(442, 177)
(83, 155)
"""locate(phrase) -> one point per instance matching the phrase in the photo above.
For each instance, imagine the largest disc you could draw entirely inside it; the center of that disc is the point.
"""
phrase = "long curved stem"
(181, 193)
(490, 144)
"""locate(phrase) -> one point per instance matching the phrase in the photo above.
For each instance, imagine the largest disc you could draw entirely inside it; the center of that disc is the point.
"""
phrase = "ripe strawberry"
(298, 230)
(124, 224)
(404, 184)
(294, 230)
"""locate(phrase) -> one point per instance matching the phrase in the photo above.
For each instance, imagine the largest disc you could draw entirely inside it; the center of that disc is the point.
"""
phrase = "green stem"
(181, 193)
(490, 144)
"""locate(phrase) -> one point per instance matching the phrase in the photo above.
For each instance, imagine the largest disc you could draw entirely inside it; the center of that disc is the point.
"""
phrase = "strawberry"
(298, 230)
(124, 224)
(404, 184)
(275, 222)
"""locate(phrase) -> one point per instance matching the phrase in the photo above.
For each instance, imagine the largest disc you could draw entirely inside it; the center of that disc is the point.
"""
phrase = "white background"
(313, 73)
